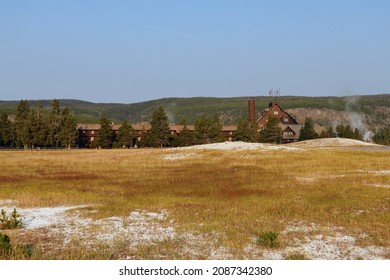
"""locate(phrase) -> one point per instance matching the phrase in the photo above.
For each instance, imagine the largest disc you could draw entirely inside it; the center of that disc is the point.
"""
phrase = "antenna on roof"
(271, 94)
(277, 94)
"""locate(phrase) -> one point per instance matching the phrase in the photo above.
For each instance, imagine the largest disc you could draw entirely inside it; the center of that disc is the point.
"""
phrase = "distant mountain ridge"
(373, 109)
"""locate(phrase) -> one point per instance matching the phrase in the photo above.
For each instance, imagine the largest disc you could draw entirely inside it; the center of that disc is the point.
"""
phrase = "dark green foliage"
(7, 135)
(344, 131)
(20, 251)
(67, 134)
(144, 138)
(55, 123)
(246, 131)
(38, 128)
(357, 135)
(267, 239)
(382, 136)
(10, 222)
(159, 134)
(106, 136)
(307, 131)
(296, 256)
(125, 135)
(185, 138)
(5, 245)
(347, 132)
(22, 124)
(208, 129)
(271, 132)
(328, 133)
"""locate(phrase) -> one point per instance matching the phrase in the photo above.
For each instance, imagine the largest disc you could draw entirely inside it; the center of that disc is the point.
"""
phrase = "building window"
(92, 138)
(93, 132)
(285, 119)
(276, 112)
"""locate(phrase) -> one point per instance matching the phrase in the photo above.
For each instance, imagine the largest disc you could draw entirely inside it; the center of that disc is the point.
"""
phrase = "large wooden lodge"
(290, 127)
(89, 132)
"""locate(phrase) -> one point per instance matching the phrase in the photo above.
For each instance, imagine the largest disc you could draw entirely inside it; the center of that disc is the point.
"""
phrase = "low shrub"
(10, 222)
(296, 256)
(268, 239)
(5, 245)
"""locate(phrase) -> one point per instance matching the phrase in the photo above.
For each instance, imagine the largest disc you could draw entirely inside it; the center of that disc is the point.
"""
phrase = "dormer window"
(276, 112)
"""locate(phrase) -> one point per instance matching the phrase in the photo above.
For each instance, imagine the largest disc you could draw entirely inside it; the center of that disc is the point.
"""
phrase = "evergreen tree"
(344, 131)
(246, 131)
(307, 131)
(357, 135)
(67, 134)
(328, 133)
(185, 137)
(6, 131)
(105, 137)
(144, 138)
(54, 123)
(208, 129)
(125, 135)
(271, 132)
(22, 124)
(382, 136)
(160, 132)
(37, 126)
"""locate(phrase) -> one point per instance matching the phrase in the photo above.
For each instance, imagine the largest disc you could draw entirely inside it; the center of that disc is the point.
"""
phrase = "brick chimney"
(251, 110)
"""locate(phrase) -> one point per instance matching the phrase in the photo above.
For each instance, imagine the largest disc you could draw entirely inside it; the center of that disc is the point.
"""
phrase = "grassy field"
(217, 203)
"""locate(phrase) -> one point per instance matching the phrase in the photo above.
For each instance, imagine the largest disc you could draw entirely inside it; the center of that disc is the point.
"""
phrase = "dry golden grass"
(231, 194)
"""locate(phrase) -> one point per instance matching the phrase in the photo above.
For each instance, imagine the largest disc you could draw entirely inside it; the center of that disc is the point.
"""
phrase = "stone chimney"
(251, 110)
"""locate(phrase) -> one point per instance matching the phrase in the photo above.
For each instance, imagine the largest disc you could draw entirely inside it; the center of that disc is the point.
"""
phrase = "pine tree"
(125, 135)
(67, 134)
(271, 132)
(159, 133)
(6, 131)
(37, 126)
(382, 136)
(357, 135)
(208, 129)
(185, 137)
(331, 132)
(105, 137)
(22, 124)
(246, 131)
(344, 131)
(307, 132)
(54, 123)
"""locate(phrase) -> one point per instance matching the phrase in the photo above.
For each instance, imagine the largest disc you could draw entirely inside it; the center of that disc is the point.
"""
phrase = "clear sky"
(135, 50)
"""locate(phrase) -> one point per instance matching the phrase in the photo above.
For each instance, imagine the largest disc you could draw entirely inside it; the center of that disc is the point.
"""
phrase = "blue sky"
(131, 51)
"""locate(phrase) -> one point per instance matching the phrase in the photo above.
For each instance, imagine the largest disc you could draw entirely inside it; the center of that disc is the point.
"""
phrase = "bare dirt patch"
(332, 142)
(178, 156)
(323, 243)
(239, 146)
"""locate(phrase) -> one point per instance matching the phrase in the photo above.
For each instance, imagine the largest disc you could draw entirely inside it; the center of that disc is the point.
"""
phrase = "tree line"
(207, 129)
(36, 127)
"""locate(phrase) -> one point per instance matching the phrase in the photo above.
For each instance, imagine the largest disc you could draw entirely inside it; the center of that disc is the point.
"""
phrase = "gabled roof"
(267, 112)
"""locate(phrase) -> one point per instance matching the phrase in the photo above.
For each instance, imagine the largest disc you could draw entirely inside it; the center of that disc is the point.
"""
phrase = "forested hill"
(376, 108)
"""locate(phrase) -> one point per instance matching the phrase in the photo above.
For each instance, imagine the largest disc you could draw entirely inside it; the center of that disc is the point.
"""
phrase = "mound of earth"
(239, 145)
(332, 142)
